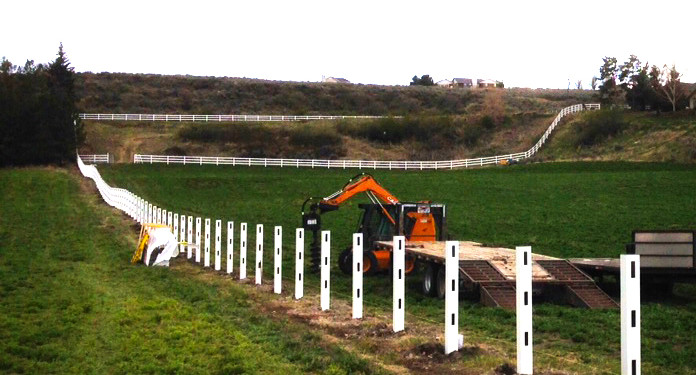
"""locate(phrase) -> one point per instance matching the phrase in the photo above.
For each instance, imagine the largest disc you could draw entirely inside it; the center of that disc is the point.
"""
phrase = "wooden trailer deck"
(490, 273)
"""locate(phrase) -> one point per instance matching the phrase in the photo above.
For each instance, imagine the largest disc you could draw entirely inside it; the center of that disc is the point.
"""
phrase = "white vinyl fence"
(97, 158)
(366, 164)
(213, 118)
(142, 211)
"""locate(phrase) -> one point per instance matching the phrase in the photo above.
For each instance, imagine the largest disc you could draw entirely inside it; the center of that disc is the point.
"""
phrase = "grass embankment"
(564, 210)
(72, 303)
(626, 136)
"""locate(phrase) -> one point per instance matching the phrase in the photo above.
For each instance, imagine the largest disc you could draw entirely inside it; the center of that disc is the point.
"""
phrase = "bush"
(599, 126)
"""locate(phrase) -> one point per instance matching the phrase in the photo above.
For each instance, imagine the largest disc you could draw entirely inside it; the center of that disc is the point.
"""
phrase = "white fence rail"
(212, 118)
(97, 158)
(366, 164)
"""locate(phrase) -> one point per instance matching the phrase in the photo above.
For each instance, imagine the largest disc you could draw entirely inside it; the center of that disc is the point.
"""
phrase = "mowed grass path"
(72, 303)
(563, 209)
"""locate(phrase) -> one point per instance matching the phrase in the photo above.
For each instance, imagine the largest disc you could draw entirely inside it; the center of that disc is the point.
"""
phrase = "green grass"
(72, 303)
(643, 136)
(563, 209)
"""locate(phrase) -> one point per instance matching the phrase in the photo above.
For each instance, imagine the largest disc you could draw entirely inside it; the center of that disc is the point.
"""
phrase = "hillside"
(439, 124)
(143, 93)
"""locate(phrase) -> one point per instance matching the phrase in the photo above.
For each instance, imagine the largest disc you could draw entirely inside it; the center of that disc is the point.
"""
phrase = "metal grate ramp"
(495, 289)
(582, 290)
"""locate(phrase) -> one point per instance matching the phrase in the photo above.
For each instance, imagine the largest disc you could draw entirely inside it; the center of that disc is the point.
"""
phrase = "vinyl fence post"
(206, 255)
(259, 253)
(299, 262)
(399, 256)
(630, 314)
(525, 353)
(218, 245)
(182, 233)
(230, 246)
(357, 276)
(175, 229)
(451, 296)
(325, 269)
(277, 259)
(242, 250)
(198, 240)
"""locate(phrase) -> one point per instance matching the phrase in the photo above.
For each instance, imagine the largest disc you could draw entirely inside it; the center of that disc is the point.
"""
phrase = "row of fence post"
(182, 227)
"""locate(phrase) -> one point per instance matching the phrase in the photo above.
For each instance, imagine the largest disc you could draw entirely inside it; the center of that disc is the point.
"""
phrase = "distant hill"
(146, 93)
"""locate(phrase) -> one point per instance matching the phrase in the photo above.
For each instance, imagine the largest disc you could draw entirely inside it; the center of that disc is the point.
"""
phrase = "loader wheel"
(345, 261)
(370, 265)
(441, 283)
(429, 279)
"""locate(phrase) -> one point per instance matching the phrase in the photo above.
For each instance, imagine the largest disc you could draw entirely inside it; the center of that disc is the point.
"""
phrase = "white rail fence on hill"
(96, 158)
(366, 164)
(213, 118)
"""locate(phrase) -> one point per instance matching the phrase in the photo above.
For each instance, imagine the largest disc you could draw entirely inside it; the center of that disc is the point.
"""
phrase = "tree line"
(639, 85)
(39, 121)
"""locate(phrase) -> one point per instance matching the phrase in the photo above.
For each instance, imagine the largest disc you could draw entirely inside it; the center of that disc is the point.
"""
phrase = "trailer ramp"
(581, 289)
(495, 289)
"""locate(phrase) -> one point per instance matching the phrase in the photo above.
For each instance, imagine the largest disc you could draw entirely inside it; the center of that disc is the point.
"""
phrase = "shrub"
(599, 126)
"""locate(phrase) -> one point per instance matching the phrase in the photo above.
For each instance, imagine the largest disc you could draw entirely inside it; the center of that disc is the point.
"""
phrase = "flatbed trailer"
(488, 273)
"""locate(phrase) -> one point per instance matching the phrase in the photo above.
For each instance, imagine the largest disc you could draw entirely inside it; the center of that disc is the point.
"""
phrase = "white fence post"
(325, 269)
(159, 215)
(399, 260)
(189, 236)
(357, 276)
(218, 245)
(182, 233)
(230, 246)
(198, 240)
(175, 230)
(242, 250)
(259, 253)
(630, 314)
(451, 296)
(168, 216)
(299, 262)
(278, 259)
(206, 255)
(523, 271)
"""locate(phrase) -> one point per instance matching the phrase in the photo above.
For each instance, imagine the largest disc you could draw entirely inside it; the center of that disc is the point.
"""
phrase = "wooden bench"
(664, 249)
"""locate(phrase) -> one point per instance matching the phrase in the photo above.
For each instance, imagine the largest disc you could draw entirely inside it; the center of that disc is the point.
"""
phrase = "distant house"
(482, 83)
(692, 99)
(462, 82)
(335, 80)
(444, 83)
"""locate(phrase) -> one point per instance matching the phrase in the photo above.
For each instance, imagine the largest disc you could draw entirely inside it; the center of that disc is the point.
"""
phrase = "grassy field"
(72, 303)
(563, 209)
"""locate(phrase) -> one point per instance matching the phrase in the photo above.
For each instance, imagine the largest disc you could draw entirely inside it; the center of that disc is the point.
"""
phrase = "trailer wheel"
(429, 279)
(441, 283)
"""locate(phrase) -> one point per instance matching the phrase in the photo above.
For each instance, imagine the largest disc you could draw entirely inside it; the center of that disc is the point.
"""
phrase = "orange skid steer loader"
(380, 220)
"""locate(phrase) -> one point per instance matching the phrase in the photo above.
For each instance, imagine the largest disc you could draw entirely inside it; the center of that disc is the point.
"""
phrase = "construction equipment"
(380, 220)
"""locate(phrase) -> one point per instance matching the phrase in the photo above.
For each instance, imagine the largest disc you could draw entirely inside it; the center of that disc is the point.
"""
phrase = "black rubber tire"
(374, 268)
(345, 261)
(429, 279)
(441, 282)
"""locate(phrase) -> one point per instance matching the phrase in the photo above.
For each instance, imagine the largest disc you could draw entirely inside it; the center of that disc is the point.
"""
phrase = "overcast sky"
(523, 43)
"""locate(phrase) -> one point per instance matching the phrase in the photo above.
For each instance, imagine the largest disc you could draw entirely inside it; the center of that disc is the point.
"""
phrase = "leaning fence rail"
(213, 118)
(366, 164)
(96, 158)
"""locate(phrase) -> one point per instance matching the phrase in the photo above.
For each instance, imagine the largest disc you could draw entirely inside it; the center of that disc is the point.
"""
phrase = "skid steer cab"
(380, 220)
(420, 222)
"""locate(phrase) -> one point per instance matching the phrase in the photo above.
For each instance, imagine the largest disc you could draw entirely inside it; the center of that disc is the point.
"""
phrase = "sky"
(531, 43)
